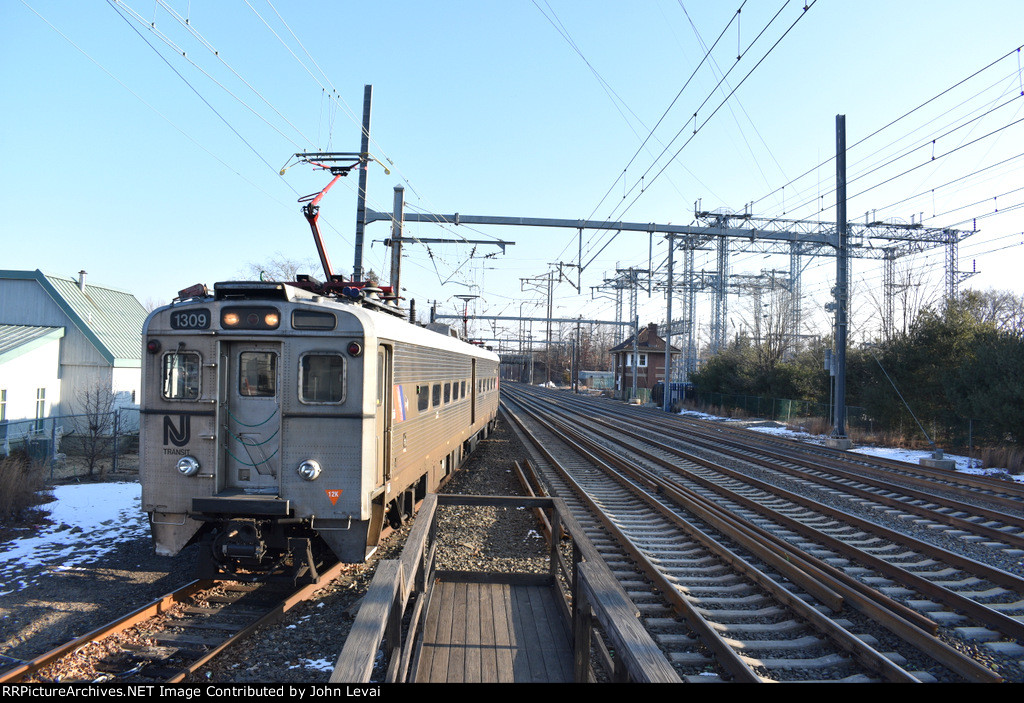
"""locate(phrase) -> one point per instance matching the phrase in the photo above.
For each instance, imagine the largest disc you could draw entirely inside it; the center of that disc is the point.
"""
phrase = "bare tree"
(1001, 308)
(911, 293)
(280, 268)
(769, 322)
(93, 424)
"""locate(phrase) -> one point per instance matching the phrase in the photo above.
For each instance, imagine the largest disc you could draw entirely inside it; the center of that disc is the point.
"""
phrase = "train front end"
(254, 425)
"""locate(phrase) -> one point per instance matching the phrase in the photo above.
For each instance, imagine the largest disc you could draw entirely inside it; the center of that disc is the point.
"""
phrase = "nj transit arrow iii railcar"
(278, 423)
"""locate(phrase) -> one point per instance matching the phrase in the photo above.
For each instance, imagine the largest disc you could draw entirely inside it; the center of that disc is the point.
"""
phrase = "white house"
(61, 336)
(29, 371)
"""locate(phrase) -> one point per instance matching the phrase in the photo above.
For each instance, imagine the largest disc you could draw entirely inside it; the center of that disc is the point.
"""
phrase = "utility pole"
(721, 319)
(396, 244)
(838, 438)
(364, 163)
(547, 349)
(668, 327)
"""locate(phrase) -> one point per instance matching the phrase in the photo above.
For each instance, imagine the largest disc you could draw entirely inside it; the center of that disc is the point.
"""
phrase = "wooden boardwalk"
(492, 627)
(494, 633)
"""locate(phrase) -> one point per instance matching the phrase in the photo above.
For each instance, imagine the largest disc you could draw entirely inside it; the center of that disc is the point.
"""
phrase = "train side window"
(181, 376)
(322, 378)
(447, 393)
(380, 379)
(463, 392)
(422, 397)
(437, 394)
(257, 374)
(455, 391)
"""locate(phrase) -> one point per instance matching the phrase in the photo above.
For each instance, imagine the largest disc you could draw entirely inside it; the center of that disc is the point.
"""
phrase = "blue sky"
(153, 181)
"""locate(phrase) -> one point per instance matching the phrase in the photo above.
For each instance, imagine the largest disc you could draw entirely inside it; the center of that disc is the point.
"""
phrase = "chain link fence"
(77, 446)
(780, 409)
(961, 434)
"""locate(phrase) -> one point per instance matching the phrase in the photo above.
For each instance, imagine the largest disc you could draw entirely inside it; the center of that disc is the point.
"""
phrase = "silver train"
(279, 424)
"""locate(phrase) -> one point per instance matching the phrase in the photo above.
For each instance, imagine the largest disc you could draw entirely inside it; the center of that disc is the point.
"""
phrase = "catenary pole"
(364, 159)
(842, 283)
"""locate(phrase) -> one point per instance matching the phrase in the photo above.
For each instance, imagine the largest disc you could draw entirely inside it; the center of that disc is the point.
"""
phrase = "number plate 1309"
(193, 319)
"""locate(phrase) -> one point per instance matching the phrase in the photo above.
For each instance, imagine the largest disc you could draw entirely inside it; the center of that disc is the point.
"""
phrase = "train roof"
(387, 321)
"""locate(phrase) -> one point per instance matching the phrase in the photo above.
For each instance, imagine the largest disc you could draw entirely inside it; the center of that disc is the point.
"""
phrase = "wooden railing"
(591, 598)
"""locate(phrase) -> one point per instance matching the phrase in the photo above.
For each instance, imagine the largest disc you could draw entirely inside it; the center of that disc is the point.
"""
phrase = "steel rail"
(274, 614)
(120, 624)
(162, 605)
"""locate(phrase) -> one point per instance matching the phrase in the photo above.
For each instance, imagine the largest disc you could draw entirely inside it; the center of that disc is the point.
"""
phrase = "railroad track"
(975, 509)
(791, 591)
(1005, 495)
(169, 638)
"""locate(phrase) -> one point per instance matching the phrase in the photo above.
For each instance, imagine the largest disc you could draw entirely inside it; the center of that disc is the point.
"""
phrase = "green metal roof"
(16, 340)
(111, 319)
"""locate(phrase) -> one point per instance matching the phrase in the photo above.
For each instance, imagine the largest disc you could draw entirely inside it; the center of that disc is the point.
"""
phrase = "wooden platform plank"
(488, 646)
(443, 650)
(457, 642)
(428, 650)
(425, 653)
(558, 654)
(474, 633)
(521, 671)
(493, 633)
(504, 653)
(553, 641)
(527, 624)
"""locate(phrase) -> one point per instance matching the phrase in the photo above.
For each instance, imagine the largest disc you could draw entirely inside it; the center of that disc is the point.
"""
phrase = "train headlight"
(188, 466)
(309, 470)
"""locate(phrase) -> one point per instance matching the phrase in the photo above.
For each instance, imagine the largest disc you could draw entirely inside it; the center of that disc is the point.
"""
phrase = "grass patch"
(1009, 458)
(22, 489)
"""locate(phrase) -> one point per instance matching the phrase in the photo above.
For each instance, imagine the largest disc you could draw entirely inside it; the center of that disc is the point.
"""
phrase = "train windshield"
(323, 378)
(181, 376)
(257, 374)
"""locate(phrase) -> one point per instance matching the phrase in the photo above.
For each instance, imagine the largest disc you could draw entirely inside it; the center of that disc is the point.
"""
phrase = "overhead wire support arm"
(428, 240)
(339, 164)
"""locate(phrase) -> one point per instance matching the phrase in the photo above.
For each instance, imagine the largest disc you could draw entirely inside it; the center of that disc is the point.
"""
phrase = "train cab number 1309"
(191, 319)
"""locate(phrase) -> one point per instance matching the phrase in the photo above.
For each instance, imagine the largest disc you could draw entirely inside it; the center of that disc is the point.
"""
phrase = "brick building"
(649, 366)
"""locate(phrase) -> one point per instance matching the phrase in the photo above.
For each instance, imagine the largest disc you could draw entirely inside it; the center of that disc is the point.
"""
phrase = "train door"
(251, 416)
(384, 413)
